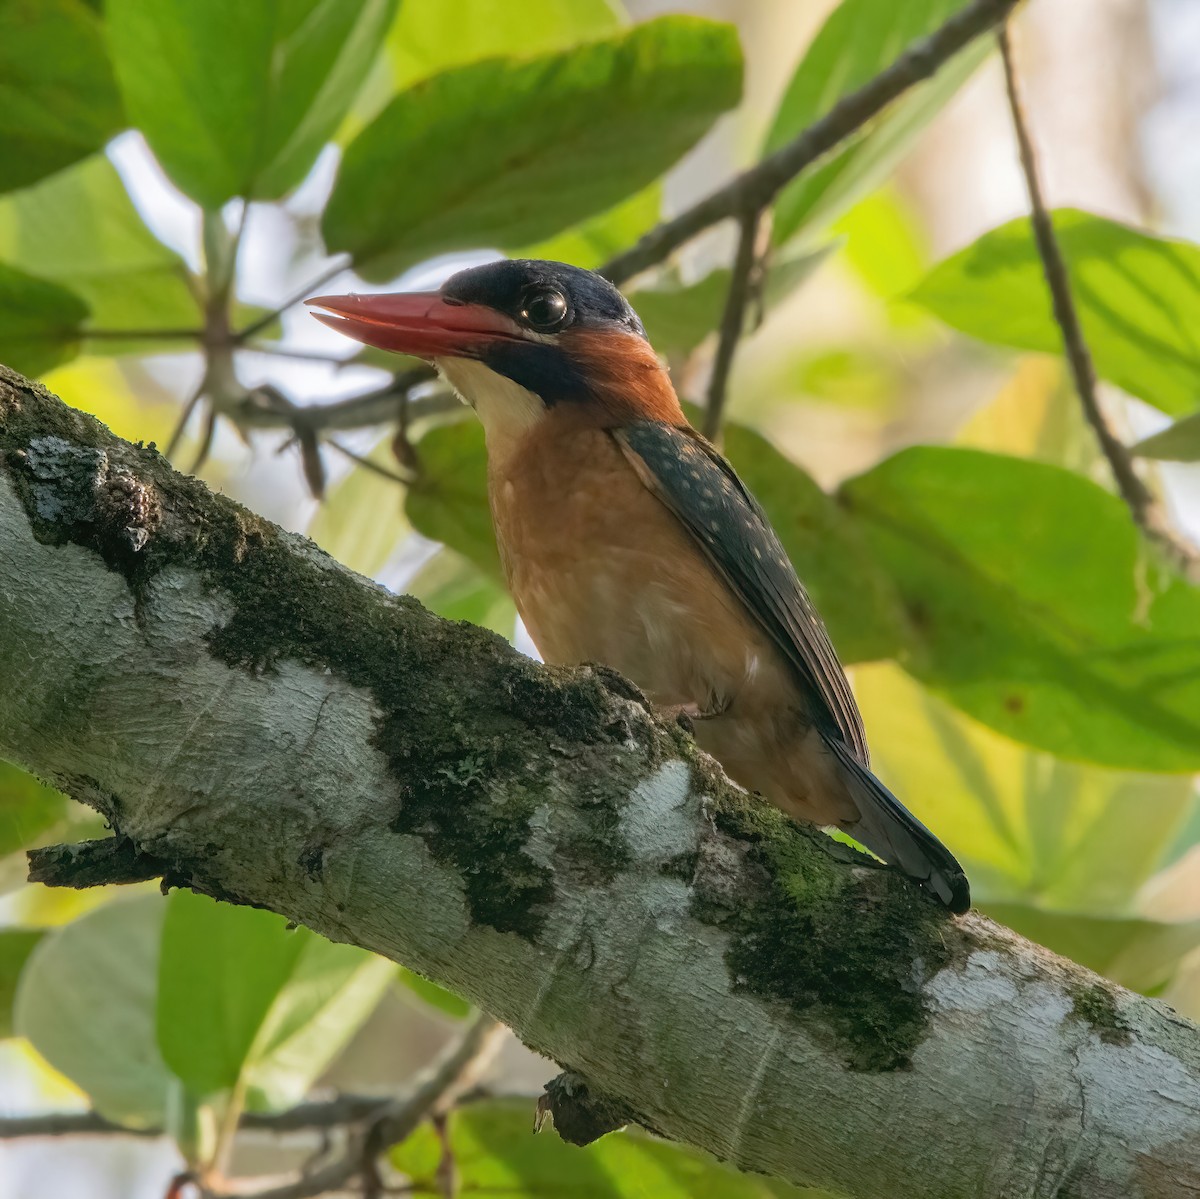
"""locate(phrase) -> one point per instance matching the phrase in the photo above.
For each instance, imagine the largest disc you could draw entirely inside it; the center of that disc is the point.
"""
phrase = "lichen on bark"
(470, 781)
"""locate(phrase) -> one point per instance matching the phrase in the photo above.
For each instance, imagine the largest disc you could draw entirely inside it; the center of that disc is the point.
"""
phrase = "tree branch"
(754, 189)
(733, 321)
(281, 732)
(323, 1114)
(379, 406)
(457, 1071)
(1143, 506)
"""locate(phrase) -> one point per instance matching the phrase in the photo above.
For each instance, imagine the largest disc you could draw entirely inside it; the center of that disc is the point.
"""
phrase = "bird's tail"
(886, 827)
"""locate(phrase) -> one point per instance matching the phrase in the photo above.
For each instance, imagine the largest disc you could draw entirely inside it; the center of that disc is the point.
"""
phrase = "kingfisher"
(627, 539)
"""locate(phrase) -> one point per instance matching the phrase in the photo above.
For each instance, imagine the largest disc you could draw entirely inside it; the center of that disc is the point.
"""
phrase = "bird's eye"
(544, 309)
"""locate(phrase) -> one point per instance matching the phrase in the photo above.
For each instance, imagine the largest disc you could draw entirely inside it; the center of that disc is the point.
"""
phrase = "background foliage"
(1026, 664)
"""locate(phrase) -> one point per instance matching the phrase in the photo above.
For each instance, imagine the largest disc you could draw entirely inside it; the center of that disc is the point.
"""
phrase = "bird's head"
(519, 339)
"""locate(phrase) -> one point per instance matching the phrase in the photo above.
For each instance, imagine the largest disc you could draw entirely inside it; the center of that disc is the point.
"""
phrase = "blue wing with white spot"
(712, 503)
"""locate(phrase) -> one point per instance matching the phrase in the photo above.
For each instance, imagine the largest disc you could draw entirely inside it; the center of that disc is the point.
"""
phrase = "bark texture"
(258, 723)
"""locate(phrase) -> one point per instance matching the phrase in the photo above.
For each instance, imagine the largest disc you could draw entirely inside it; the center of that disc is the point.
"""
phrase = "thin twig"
(733, 321)
(206, 440)
(185, 416)
(317, 1114)
(1143, 506)
(376, 407)
(143, 334)
(362, 460)
(332, 270)
(280, 351)
(758, 186)
(457, 1071)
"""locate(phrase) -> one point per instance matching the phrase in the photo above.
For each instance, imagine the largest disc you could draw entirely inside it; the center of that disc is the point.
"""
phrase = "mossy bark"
(260, 724)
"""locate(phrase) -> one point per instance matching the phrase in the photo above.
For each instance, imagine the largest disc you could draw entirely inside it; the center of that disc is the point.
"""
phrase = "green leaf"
(456, 589)
(593, 242)
(1036, 414)
(1031, 830)
(855, 597)
(1035, 607)
(1178, 443)
(431, 35)
(86, 1002)
(80, 229)
(27, 808)
(40, 322)
(445, 1001)
(679, 318)
(505, 152)
(886, 246)
(860, 38)
(244, 1000)
(58, 101)
(448, 502)
(16, 944)
(496, 1155)
(235, 98)
(1138, 298)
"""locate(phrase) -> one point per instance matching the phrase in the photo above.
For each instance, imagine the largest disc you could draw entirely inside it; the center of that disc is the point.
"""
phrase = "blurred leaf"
(1183, 994)
(431, 35)
(86, 1002)
(456, 589)
(235, 98)
(27, 808)
(1141, 954)
(497, 1157)
(885, 243)
(16, 944)
(592, 242)
(849, 376)
(79, 229)
(243, 998)
(40, 322)
(553, 140)
(1036, 414)
(129, 401)
(361, 522)
(58, 101)
(1178, 443)
(1035, 605)
(33, 814)
(679, 318)
(1138, 298)
(448, 502)
(1031, 829)
(856, 598)
(33, 906)
(445, 1001)
(861, 38)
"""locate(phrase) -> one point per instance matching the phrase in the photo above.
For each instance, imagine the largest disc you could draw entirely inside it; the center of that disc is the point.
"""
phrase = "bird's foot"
(686, 714)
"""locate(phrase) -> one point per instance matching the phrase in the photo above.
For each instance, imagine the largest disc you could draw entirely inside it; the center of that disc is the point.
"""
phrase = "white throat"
(506, 409)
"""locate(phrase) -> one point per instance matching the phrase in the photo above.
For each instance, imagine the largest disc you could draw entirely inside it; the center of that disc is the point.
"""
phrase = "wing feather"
(703, 491)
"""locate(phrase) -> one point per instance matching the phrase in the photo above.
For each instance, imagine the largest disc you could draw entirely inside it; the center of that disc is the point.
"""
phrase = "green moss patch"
(1096, 1006)
(847, 951)
(468, 725)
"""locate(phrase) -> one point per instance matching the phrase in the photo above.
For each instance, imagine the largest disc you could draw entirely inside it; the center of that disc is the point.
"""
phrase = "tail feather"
(886, 827)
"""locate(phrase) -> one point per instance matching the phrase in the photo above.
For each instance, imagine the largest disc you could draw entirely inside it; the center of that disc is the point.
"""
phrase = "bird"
(627, 539)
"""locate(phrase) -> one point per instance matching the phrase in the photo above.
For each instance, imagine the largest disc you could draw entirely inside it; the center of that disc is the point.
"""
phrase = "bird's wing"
(692, 479)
